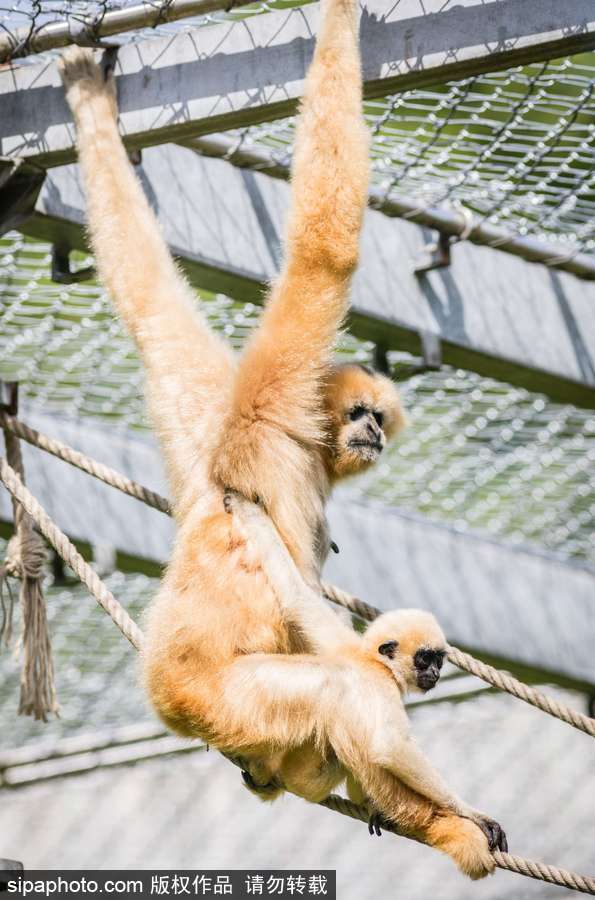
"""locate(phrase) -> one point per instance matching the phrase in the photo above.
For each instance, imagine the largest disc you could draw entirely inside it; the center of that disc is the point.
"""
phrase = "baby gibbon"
(254, 445)
(401, 652)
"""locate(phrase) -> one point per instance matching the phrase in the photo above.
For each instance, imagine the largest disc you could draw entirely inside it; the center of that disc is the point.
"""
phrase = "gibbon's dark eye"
(379, 418)
(356, 412)
(389, 648)
(423, 659)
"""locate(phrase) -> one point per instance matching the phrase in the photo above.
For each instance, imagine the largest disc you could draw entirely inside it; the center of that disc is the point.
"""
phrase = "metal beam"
(87, 30)
(252, 70)
(493, 313)
(489, 597)
(449, 222)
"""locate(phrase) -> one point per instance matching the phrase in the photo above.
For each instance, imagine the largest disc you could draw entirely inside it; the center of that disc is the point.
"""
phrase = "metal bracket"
(20, 185)
(431, 350)
(381, 359)
(439, 255)
(61, 271)
(9, 397)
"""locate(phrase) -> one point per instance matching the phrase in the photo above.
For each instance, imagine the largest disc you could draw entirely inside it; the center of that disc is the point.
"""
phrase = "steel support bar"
(238, 73)
(491, 312)
(88, 30)
(446, 221)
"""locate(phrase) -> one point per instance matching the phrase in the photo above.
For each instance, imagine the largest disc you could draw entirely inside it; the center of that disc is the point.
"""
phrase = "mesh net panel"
(478, 453)
(31, 15)
(515, 148)
(96, 671)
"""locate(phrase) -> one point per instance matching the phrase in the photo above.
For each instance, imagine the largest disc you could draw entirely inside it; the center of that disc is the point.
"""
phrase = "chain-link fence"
(515, 148)
(27, 27)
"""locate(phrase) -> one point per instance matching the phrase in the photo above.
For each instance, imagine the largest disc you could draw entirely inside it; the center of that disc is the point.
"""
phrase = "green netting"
(479, 453)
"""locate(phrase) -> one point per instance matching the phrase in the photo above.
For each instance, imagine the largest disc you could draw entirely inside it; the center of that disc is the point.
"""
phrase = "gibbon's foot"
(376, 823)
(494, 833)
(265, 791)
(464, 842)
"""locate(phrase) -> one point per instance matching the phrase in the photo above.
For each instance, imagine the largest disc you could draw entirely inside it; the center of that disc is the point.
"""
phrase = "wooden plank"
(514, 603)
(495, 314)
(239, 73)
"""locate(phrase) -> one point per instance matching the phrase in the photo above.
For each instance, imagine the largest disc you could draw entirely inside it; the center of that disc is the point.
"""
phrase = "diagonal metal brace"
(20, 184)
(62, 273)
(439, 255)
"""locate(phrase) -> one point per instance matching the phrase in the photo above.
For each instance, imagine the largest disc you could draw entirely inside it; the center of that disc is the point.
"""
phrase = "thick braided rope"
(70, 554)
(85, 463)
(512, 686)
(495, 677)
(518, 864)
(531, 869)
(130, 630)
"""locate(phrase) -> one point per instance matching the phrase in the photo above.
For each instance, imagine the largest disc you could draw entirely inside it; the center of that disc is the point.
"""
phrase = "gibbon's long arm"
(407, 763)
(189, 369)
(278, 382)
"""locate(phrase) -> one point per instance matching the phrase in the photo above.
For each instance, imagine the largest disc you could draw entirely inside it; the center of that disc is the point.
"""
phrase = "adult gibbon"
(254, 446)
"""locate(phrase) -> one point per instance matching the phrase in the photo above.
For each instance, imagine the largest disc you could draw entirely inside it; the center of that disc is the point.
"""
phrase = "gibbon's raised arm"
(188, 367)
(278, 381)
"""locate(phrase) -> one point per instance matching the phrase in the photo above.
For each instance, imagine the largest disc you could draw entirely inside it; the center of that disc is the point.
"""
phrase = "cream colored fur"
(235, 635)
(422, 805)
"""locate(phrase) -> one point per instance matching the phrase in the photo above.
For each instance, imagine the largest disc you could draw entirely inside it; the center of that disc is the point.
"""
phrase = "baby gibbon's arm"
(301, 603)
(407, 762)
(279, 375)
(188, 367)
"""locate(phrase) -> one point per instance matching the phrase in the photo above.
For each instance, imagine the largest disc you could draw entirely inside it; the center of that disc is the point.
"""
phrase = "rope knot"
(25, 557)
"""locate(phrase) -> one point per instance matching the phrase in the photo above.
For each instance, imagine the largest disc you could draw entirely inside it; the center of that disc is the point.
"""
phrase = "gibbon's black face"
(411, 644)
(365, 434)
(364, 411)
(428, 663)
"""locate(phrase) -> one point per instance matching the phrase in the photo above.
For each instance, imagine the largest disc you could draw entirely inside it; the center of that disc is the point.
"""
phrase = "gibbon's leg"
(271, 701)
(189, 369)
(356, 794)
(276, 414)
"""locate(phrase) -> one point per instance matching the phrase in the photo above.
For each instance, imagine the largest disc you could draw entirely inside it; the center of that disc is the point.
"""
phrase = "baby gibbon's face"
(364, 411)
(411, 644)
